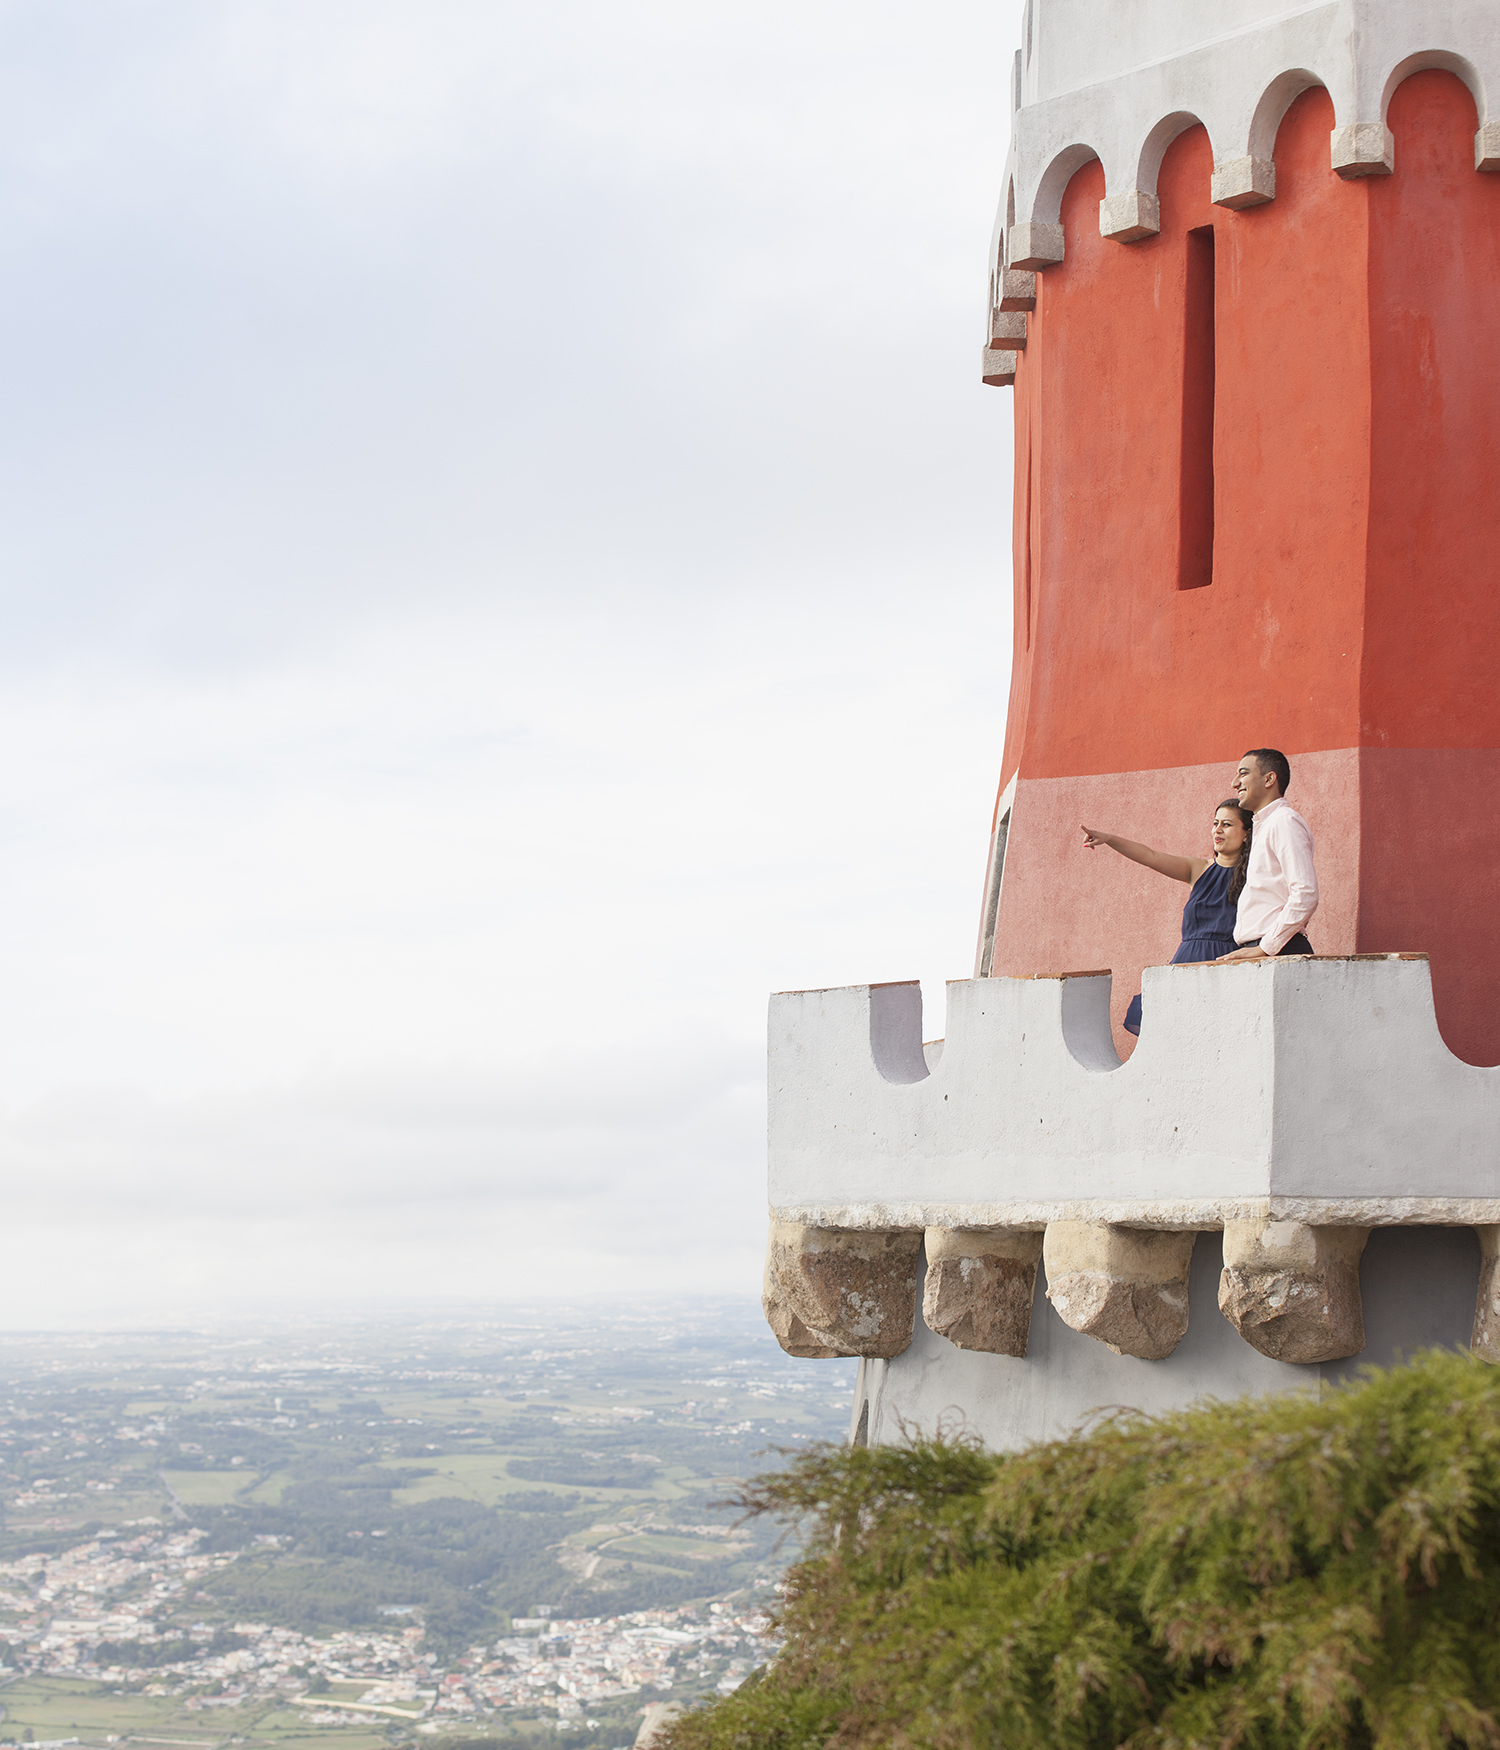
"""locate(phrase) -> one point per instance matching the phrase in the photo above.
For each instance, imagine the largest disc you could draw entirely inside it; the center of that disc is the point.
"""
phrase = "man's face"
(1254, 787)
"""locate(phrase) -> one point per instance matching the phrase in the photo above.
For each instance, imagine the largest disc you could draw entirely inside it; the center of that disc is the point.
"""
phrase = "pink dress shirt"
(1281, 885)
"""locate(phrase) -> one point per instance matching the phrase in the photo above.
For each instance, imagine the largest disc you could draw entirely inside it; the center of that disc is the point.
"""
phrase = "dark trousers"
(1299, 944)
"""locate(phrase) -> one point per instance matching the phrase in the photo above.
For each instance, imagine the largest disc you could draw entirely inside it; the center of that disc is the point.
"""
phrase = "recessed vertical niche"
(1195, 549)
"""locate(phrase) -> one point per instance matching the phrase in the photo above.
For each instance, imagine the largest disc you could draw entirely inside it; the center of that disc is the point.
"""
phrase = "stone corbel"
(837, 1291)
(1243, 182)
(1017, 290)
(1129, 217)
(1128, 1287)
(1033, 246)
(1486, 1340)
(1365, 149)
(997, 367)
(1487, 147)
(980, 1285)
(1292, 1291)
(1008, 330)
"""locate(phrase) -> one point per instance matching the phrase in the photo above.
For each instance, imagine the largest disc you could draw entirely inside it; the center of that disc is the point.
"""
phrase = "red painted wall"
(1354, 612)
(1430, 687)
(1433, 582)
(1071, 910)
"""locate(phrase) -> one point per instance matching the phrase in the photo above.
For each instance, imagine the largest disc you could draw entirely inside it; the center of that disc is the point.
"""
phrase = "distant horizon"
(452, 1313)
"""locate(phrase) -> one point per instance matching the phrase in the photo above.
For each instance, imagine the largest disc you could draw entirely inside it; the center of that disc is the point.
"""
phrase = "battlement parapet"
(1292, 1104)
(1093, 81)
(1308, 1089)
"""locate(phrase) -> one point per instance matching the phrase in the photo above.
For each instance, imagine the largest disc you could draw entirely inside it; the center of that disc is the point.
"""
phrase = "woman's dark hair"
(1241, 864)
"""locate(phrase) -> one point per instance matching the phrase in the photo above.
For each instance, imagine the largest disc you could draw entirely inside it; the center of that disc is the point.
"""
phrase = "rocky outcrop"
(980, 1286)
(1292, 1291)
(838, 1291)
(1127, 1287)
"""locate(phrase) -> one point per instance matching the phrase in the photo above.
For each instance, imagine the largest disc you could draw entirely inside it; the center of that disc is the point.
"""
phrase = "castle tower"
(1243, 291)
(1245, 286)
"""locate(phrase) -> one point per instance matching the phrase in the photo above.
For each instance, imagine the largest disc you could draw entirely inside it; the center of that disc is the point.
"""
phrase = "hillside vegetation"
(1262, 1574)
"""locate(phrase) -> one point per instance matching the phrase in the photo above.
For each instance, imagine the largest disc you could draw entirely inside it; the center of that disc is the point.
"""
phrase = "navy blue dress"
(1207, 928)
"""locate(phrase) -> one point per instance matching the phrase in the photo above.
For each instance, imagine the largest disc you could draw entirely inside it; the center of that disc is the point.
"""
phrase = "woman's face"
(1229, 835)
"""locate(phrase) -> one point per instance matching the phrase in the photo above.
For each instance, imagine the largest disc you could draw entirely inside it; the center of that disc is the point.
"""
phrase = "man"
(1281, 885)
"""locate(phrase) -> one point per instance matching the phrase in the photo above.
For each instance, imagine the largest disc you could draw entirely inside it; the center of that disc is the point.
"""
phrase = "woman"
(1208, 916)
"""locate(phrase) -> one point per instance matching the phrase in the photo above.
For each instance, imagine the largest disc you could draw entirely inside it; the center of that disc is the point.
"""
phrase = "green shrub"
(1260, 1575)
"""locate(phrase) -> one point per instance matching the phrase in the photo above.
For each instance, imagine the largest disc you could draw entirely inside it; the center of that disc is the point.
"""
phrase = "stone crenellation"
(1292, 1106)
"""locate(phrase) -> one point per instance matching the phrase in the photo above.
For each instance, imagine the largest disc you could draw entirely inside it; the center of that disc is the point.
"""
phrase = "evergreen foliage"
(1258, 1575)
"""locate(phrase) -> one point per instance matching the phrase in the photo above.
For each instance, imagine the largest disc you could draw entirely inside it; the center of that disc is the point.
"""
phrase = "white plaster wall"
(1418, 1287)
(1088, 42)
(1309, 1089)
(1118, 82)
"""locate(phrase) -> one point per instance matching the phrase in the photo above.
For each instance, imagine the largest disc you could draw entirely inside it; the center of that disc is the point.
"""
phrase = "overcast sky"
(504, 561)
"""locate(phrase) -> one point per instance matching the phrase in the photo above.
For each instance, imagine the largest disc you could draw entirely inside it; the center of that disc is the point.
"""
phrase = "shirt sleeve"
(1294, 847)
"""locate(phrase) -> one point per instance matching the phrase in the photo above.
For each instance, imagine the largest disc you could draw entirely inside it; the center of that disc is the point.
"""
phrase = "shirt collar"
(1279, 802)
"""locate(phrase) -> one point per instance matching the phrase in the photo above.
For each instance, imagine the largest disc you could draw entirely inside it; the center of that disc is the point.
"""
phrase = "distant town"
(68, 1621)
(364, 1537)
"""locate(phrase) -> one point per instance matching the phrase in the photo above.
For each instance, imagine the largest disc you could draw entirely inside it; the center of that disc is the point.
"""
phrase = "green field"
(60, 1707)
(443, 1476)
(208, 1488)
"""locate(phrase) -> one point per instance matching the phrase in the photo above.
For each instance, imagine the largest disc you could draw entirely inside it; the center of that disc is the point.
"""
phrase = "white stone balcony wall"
(1206, 1217)
(1315, 1090)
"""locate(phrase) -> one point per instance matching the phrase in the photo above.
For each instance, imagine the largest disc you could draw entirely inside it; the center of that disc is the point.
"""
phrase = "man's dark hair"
(1270, 760)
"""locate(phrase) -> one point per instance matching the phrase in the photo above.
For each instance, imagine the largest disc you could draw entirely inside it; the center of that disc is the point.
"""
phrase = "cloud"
(571, 1177)
(325, 312)
(502, 563)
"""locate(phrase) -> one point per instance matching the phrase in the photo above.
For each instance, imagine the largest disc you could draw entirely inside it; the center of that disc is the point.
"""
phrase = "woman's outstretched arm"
(1163, 862)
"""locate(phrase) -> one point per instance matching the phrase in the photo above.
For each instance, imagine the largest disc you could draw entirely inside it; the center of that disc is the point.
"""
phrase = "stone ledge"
(1167, 1216)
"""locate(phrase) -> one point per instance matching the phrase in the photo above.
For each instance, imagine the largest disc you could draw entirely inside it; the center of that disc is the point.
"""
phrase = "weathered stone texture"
(1008, 330)
(1363, 149)
(1017, 290)
(1129, 217)
(980, 1285)
(997, 367)
(1034, 246)
(1486, 1339)
(1128, 1287)
(1292, 1291)
(1243, 182)
(831, 1291)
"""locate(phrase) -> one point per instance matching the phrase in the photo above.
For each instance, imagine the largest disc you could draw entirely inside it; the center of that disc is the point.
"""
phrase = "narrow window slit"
(1195, 550)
